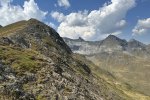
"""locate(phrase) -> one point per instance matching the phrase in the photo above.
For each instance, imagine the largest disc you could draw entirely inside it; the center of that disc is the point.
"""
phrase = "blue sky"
(89, 19)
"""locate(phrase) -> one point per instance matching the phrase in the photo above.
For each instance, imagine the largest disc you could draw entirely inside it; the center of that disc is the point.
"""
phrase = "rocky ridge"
(36, 64)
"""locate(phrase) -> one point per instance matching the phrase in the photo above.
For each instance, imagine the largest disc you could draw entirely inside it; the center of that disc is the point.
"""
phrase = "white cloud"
(96, 24)
(58, 16)
(11, 13)
(142, 27)
(63, 3)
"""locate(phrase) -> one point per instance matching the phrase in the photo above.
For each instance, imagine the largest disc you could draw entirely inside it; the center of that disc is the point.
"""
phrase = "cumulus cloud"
(11, 13)
(142, 27)
(58, 16)
(63, 3)
(94, 25)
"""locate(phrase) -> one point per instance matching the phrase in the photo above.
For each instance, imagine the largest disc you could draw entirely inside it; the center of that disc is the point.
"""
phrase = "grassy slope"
(104, 77)
(129, 76)
(12, 28)
(27, 60)
(21, 60)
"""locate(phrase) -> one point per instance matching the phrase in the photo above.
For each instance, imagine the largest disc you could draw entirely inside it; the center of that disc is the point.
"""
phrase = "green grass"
(20, 60)
(12, 28)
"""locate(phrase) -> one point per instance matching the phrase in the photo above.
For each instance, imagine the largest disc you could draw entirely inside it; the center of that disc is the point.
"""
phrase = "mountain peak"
(34, 34)
(111, 37)
(33, 21)
(80, 39)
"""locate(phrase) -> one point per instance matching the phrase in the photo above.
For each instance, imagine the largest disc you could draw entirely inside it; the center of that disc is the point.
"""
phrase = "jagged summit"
(112, 37)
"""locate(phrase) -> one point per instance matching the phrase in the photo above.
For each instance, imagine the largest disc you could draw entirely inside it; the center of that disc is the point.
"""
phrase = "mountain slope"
(36, 64)
(127, 62)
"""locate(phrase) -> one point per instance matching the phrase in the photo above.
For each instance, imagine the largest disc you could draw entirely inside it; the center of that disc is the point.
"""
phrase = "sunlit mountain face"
(74, 50)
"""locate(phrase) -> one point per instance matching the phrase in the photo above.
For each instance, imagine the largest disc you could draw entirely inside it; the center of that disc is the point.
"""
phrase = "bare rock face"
(36, 64)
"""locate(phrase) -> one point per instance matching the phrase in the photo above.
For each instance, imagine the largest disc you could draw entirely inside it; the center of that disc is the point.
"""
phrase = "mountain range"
(110, 44)
(37, 64)
(127, 61)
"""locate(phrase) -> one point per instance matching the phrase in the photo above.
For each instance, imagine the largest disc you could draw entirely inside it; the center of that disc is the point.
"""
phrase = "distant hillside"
(127, 61)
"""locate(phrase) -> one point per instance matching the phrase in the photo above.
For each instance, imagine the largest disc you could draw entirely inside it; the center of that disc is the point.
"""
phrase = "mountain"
(127, 61)
(137, 48)
(113, 43)
(81, 46)
(1, 26)
(109, 44)
(36, 64)
(135, 44)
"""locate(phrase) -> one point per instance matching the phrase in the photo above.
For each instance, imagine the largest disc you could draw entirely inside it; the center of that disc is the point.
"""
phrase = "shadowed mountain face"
(127, 61)
(1, 26)
(36, 64)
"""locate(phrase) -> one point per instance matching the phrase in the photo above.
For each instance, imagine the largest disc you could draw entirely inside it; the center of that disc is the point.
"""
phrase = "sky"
(89, 19)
